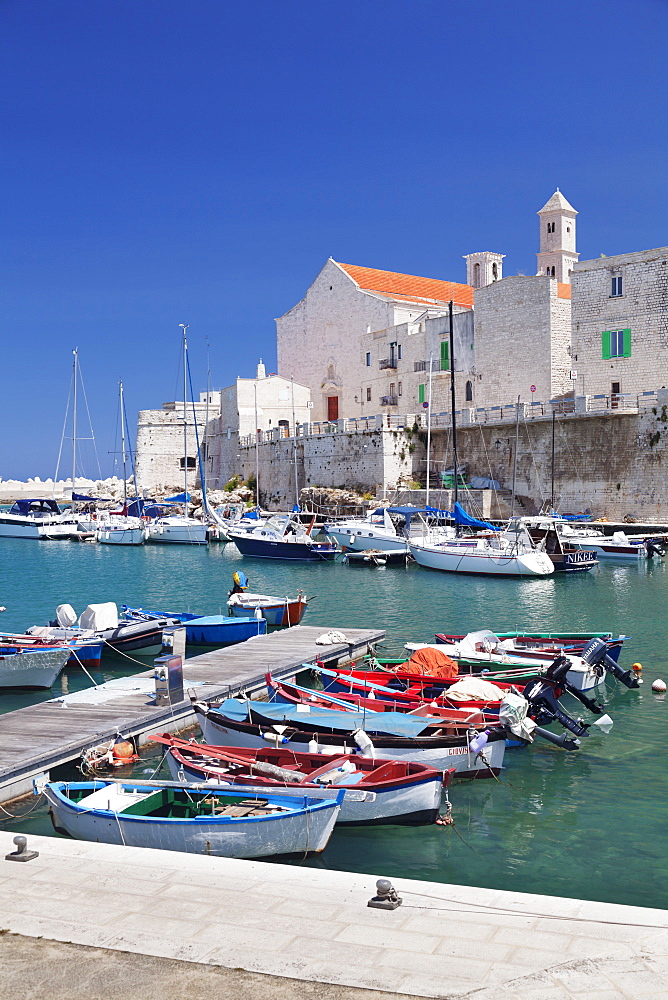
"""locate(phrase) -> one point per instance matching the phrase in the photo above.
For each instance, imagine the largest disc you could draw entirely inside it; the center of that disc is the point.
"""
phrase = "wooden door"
(332, 407)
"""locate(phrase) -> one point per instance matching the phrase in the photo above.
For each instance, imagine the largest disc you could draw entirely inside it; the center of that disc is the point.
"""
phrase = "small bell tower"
(557, 253)
(483, 268)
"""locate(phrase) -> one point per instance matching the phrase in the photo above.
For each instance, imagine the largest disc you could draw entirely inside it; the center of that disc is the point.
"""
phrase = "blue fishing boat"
(206, 630)
(195, 819)
(83, 652)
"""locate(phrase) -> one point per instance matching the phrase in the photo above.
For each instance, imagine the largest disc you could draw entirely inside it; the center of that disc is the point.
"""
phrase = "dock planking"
(42, 736)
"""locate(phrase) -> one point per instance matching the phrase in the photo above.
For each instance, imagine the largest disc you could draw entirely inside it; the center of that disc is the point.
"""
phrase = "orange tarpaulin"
(431, 663)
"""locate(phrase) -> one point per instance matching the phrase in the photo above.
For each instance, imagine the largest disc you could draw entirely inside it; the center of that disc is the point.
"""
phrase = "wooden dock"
(40, 737)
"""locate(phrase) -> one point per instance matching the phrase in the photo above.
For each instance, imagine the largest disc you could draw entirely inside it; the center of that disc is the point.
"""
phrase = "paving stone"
(385, 938)
(332, 951)
(437, 965)
(532, 939)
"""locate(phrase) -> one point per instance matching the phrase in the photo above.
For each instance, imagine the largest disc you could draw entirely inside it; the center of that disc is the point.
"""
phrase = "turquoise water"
(589, 824)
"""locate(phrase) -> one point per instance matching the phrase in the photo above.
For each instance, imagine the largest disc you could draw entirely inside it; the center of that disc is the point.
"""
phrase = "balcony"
(421, 366)
(389, 400)
(388, 363)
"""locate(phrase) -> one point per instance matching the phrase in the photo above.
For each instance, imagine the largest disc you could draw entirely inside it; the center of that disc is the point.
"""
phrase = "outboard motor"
(654, 548)
(543, 697)
(596, 654)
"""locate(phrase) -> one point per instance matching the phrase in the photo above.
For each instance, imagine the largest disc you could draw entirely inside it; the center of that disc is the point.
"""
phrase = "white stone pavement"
(311, 924)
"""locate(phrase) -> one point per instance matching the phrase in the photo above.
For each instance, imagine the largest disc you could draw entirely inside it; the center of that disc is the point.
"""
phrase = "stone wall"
(361, 462)
(159, 450)
(615, 465)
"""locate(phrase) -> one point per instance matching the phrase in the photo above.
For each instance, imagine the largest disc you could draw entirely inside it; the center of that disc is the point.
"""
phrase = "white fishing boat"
(172, 817)
(32, 668)
(616, 546)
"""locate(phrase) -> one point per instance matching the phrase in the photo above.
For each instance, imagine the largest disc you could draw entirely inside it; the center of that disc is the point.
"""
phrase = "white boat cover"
(66, 616)
(99, 616)
(474, 689)
(483, 641)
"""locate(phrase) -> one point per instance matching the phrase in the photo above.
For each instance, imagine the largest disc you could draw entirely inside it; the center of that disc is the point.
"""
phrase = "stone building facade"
(522, 339)
(264, 403)
(620, 323)
(324, 340)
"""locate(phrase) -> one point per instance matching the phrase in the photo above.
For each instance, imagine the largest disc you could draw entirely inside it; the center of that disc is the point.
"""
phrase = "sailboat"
(179, 528)
(507, 553)
(119, 529)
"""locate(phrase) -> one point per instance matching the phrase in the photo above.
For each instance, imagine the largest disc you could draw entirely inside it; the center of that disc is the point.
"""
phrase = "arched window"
(476, 275)
(469, 392)
(495, 272)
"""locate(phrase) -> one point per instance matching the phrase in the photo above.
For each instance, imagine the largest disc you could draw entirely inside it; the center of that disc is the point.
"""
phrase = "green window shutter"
(627, 343)
(421, 394)
(605, 338)
(445, 356)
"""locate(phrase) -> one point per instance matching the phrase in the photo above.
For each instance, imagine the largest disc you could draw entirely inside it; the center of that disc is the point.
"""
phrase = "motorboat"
(387, 529)
(282, 537)
(172, 817)
(101, 621)
(205, 630)
(83, 652)
(37, 518)
(376, 791)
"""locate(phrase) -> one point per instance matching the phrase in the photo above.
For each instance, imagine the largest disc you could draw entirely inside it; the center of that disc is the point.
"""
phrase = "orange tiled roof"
(563, 290)
(409, 287)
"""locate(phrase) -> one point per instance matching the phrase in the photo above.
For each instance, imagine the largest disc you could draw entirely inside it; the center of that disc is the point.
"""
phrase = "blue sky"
(196, 162)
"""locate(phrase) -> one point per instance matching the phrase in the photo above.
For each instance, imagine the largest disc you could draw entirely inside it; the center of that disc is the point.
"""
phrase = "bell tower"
(483, 268)
(557, 253)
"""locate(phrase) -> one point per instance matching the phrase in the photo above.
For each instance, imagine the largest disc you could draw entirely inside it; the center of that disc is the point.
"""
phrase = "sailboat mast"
(431, 369)
(184, 327)
(257, 455)
(75, 378)
(452, 401)
(123, 453)
(294, 440)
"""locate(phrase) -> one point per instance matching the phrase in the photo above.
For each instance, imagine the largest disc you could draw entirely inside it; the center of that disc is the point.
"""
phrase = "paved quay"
(312, 925)
(39, 737)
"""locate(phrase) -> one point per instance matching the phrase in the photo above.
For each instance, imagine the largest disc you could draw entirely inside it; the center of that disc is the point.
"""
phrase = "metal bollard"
(386, 897)
(21, 853)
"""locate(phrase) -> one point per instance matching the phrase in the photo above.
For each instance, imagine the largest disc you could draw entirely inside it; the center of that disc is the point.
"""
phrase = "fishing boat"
(101, 621)
(36, 518)
(376, 791)
(83, 652)
(174, 817)
(205, 630)
(31, 668)
(277, 612)
(396, 736)
(617, 546)
(281, 537)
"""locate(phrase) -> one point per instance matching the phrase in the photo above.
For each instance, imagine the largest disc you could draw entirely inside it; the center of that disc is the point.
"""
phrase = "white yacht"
(117, 529)
(378, 530)
(38, 518)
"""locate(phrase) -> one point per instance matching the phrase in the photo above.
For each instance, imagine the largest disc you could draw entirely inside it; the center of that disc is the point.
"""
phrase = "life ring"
(93, 517)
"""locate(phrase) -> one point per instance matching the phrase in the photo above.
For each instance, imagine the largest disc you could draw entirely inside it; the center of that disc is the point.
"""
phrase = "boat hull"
(413, 804)
(121, 536)
(15, 526)
(282, 614)
(461, 559)
(33, 669)
(272, 548)
(439, 754)
(361, 540)
(164, 533)
(225, 632)
(305, 830)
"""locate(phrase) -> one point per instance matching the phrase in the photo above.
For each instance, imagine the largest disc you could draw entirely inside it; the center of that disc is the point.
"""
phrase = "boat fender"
(274, 738)
(479, 741)
(364, 743)
(313, 745)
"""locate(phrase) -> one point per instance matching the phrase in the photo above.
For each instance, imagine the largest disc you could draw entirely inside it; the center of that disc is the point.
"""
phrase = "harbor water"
(589, 824)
